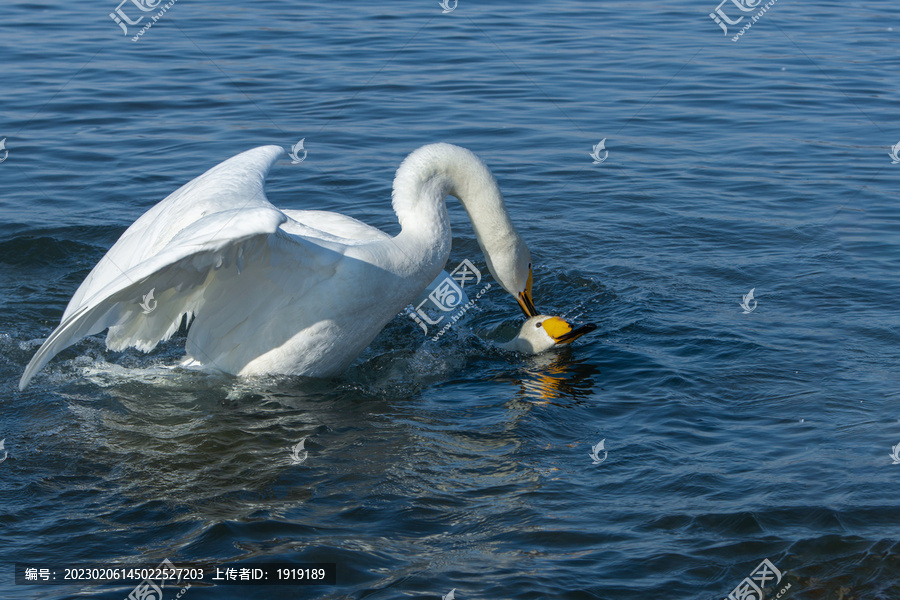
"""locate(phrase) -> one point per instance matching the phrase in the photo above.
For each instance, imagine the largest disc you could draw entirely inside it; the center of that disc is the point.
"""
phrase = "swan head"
(526, 303)
(513, 271)
(541, 333)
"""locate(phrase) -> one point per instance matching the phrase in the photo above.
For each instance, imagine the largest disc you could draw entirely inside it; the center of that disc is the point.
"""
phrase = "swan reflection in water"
(555, 378)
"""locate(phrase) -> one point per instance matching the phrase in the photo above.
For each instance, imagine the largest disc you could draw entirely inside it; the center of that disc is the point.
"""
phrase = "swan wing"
(336, 227)
(179, 274)
(236, 183)
(176, 251)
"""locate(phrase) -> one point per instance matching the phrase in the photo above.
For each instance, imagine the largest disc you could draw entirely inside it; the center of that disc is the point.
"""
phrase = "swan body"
(541, 333)
(297, 292)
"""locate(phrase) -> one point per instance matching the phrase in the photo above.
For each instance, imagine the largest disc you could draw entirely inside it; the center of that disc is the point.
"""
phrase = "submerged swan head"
(541, 333)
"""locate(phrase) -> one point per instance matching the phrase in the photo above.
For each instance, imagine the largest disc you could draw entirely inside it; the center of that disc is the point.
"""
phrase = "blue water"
(732, 438)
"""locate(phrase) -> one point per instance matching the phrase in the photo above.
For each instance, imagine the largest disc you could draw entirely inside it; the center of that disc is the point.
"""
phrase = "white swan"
(540, 333)
(298, 292)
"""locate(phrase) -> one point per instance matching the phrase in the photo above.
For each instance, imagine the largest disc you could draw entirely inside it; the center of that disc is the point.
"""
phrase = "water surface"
(732, 438)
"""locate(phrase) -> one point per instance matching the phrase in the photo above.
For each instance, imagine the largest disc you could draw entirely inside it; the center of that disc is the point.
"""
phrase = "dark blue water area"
(732, 436)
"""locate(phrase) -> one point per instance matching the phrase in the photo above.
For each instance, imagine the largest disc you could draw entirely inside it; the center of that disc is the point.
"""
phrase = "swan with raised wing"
(278, 291)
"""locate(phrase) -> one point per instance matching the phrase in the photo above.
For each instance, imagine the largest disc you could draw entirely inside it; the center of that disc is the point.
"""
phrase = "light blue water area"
(732, 437)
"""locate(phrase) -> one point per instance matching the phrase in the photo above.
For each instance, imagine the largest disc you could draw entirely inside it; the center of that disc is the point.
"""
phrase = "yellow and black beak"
(562, 333)
(576, 333)
(524, 298)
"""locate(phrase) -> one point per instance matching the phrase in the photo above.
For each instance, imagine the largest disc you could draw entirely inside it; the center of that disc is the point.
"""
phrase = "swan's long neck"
(421, 186)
